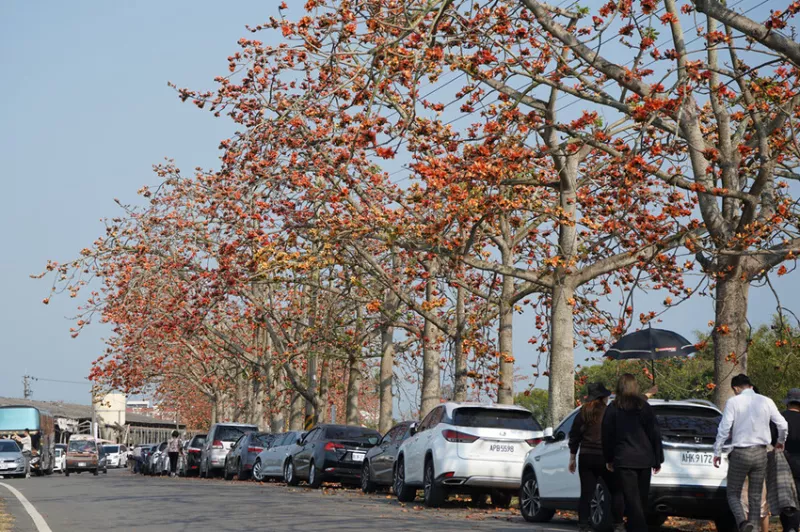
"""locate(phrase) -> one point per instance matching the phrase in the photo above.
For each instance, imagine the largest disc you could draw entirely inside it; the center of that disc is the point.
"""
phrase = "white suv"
(687, 486)
(466, 448)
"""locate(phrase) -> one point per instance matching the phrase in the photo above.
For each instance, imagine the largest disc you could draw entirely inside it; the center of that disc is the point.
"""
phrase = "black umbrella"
(651, 344)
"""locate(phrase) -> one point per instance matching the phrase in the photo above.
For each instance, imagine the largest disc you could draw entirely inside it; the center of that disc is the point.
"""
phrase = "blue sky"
(85, 112)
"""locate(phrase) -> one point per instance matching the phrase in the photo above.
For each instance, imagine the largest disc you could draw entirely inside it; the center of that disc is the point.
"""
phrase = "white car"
(116, 455)
(468, 448)
(59, 457)
(271, 462)
(687, 486)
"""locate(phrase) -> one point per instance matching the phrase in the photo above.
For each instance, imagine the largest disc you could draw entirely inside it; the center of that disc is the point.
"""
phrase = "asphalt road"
(121, 501)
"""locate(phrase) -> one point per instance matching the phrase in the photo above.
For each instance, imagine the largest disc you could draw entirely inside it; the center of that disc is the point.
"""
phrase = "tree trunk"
(353, 389)
(505, 338)
(431, 385)
(561, 387)
(214, 410)
(730, 334)
(386, 376)
(324, 392)
(296, 412)
(460, 359)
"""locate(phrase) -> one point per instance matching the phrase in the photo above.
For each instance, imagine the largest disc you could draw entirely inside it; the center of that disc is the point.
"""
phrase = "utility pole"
(27, 392)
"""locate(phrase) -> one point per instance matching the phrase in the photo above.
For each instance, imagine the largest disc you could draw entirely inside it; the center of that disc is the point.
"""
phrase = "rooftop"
(73, 411)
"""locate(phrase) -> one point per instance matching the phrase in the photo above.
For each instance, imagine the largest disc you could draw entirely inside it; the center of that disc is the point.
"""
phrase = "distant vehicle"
(12, 462)
(155, 464)
(471, 448)
(60, 455)
(15, 419)
(147, 453)
(242, 455)
(379, 462)
(83, 454)
(330, 453)
(271, 462)
(218, 444)
(687, 486)
(189, 463)
(117, 455)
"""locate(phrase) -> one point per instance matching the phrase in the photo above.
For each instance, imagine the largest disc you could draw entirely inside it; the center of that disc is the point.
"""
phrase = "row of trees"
(408, 175)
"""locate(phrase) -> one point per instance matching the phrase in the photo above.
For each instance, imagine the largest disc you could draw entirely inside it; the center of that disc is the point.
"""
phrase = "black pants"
(591, 468)
(635, 487)
(173, 462)
(790, 519)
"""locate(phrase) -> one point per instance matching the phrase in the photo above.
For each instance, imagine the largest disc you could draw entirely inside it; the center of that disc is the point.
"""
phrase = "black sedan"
(330, 453)
(379, 461)
(190, 463)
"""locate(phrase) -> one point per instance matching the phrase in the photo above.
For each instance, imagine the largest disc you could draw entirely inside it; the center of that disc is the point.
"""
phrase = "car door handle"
(537, 458)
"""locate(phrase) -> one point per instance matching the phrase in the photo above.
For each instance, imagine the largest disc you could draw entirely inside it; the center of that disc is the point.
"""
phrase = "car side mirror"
(560, 435)
(547, 434)
(412, 429)
(299, 441)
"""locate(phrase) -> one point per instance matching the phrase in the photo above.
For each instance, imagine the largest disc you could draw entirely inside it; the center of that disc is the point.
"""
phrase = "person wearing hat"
(790, 518)
(585, 439)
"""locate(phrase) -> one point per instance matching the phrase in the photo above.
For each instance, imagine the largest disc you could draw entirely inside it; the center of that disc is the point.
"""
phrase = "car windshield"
(263, 438)
(82, 446)
(8, 447)
(351, 433)
(198, 441)
(687, 420)
(231, 434)
(495, 418)
(111, 448)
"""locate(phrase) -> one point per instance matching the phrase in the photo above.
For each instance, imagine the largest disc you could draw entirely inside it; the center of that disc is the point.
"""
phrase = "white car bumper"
(482, 473)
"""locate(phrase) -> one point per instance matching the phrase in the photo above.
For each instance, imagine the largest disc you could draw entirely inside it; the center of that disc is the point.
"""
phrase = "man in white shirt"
(24, 442)
(746, 420)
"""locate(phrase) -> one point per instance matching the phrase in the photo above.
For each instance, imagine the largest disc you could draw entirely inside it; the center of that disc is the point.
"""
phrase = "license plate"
(501, 448)
(358, 457)
(697, 459)
(81, 464)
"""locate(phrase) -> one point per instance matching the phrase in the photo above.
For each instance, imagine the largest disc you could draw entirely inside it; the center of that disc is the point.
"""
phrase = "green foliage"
(676, 378)
(534, 400)
(773, 360)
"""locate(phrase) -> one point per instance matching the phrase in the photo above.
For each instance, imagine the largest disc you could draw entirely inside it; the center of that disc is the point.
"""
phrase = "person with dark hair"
(585, 440)
(746, 421)
(790, 517)
(632, 448)
(174, 448)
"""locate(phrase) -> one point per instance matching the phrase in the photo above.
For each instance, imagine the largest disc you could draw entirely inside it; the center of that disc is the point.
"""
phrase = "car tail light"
(194, 451)
(533, 442)
(454, 436)
(449, 474)
(333, 446)
(217, 444)
(254, 449)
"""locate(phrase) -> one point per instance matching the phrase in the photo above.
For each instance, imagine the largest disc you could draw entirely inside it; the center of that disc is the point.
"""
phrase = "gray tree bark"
(459, 357)
(296, 412)
(730, 334)
(431, 384)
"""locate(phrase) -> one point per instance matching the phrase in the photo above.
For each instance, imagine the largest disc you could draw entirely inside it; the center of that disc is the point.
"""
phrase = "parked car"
(218, 444)
(330, 453)
(12, 462)
(242, 455)
(147, 453)
(83, 454)
(378, 464)
(117, 455)
(189, 462)
(271, 462)
(470, 448)
(154, 461)
(687, 485)
(60, 455)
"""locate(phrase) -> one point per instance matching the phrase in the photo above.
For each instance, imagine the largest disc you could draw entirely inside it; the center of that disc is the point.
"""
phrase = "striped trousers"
(746, 463)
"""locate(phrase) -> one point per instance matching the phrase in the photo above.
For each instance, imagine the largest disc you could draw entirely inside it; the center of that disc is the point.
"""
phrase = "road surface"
(121, 501)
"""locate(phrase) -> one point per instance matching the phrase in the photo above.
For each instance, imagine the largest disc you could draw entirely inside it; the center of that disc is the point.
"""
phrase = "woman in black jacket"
(632, 448)
(585, 439)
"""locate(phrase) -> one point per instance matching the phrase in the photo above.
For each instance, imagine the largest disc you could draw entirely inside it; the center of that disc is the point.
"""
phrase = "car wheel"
(502, 499)
(530, 502)
(225, 474)
(289, 474)
(95, 472)
(404, 492)
(726, 523)
(257, 471)
(314, 477)
(600, 509)
(66, 473)
(105, 471)
(367, 486)
(434, 493)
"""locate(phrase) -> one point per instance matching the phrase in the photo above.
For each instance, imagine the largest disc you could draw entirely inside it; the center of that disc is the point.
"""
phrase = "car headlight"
(20, 460)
